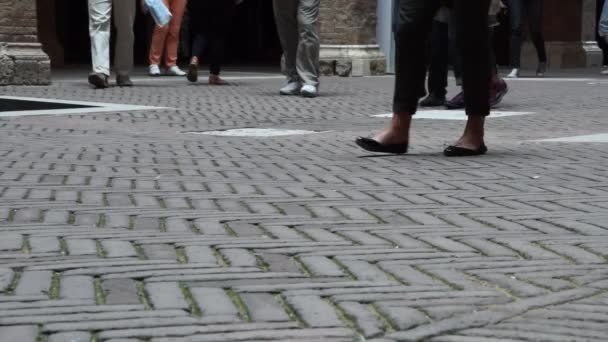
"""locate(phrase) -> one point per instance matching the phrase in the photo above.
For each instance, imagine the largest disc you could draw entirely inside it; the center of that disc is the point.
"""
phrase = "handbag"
(161, 14)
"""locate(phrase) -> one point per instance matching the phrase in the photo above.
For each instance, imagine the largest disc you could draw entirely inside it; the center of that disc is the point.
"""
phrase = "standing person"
(498, 87)
(414, 28)
(100, 17)
(210, 22)
(602, 41)
(297, 24)
(165, 40)
(533, 11)
(439, 53)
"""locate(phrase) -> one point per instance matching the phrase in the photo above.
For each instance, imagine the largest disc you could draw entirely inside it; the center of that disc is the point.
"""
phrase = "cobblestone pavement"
(122, 227)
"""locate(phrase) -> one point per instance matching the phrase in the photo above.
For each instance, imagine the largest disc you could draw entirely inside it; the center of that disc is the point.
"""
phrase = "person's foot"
(393, 139)
(154, 70)
(175, 71)
(309, 90)
(457, 102)
(498, 90)
(216, 80)
(604, 71)
(514, 73)
(433, 100)
(124, 81)
(541, 70)
(472, 141)
(99, 81)
(192, 74)
(292, 88)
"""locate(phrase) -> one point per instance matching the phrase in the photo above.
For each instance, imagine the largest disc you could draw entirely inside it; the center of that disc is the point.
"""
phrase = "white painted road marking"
(452, 114)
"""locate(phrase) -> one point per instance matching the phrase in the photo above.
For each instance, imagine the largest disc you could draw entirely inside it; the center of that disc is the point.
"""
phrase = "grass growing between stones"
(180, 252)
(10, 289)
(291, 312)
(55, 286)
(142, 294)
(240, 305)
(194, 308)
(100, 296)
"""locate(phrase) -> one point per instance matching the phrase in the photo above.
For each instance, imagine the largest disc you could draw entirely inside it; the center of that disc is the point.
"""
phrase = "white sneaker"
(514, 73)
(604, 71)
(292, 88)
(309, 91)
(154, 70)
(175, 71)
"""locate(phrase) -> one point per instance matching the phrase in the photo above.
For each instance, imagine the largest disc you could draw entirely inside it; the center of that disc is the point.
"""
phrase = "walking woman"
(416, 19)
(165, 41)
(210, 22)
(520, 10)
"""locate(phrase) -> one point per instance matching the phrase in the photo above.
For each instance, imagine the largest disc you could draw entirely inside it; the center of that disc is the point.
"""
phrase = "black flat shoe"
(372, 145)
(455, 151)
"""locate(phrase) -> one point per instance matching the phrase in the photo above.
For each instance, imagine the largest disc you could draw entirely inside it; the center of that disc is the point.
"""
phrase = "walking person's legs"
(416, 18)
(100, 17)
(473, 31)
(217, 39)
(124, 18)
(307, 59)
(286, 18)
(535, 10)
(177, 8)
(517, 17)
(157, 46)
(438, 66)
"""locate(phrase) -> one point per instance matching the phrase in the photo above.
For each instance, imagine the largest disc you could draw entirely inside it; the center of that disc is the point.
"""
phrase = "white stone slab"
(592, 138)
(256, 132)
(441, 114)
(96, 107)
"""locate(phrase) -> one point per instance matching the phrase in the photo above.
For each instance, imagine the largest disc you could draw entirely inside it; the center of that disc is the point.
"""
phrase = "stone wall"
(22, 60)
(348, 38)
(348, 22)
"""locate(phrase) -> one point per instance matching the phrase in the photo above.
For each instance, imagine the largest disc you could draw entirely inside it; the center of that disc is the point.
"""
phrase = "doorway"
(253, 39)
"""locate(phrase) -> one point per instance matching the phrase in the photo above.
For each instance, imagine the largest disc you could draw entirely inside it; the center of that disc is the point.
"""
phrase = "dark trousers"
(416, 21)
(600, 40)
(439, 55)
(210, 22)
(532, 10)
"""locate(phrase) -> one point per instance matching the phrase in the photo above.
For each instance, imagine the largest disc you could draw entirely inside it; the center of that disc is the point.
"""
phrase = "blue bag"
(161, 14)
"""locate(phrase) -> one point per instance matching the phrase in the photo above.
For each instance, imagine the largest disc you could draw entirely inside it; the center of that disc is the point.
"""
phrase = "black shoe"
(124, 81)
(192, 74)
(455, 151)
(99, 81)
(372, 145)
(433, 101)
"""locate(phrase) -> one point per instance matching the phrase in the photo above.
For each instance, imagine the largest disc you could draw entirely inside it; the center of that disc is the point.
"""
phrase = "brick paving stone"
(166, 296)
(77, 287)
(76, 336)
(119, 225)
(25, 333)
(34, 283)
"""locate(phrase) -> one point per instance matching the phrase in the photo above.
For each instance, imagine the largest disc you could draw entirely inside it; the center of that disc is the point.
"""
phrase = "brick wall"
(18, 21)
(348, 22)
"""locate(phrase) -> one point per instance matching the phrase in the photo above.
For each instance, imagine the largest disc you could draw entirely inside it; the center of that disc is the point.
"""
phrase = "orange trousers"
(166, 39)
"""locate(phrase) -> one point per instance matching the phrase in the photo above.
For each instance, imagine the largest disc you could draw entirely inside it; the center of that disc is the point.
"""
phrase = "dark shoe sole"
(192, 74)
(98, 82)
(455, 151)
(372, 145)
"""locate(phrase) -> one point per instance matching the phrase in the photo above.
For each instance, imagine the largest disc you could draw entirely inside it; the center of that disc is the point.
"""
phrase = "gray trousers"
(297, 24)
(100, 15)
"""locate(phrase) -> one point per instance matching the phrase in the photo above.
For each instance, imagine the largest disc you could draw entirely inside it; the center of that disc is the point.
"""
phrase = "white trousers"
(100, 18)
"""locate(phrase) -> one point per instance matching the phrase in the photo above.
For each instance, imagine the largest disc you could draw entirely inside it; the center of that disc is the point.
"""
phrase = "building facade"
(357, 37)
